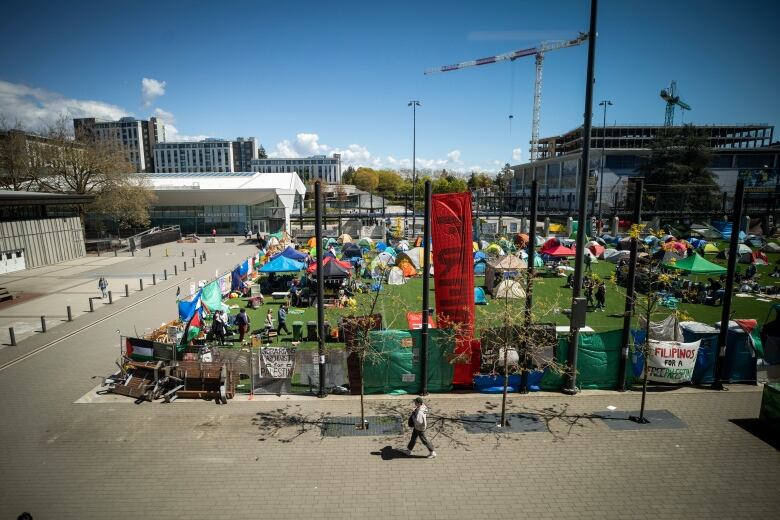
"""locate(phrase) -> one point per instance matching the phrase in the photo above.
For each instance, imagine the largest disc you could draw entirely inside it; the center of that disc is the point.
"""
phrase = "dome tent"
(505, 267)
(366, 242)
(344, 239)
(395, 277)
(479, 296)
(710, 249)
(351, 250)
(509, 289)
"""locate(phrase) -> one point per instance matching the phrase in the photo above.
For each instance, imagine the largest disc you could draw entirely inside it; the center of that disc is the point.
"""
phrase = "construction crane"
(539, 52)
(672, 99)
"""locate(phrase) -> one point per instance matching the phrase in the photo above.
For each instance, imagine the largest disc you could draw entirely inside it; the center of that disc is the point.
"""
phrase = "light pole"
(414, 104)
(604, 104)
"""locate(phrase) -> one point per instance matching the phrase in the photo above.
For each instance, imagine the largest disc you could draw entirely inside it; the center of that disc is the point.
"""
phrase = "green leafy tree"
(503, 178)
(389, 182)
(348, 175)
(479, 180)
(677, 173)
(365, 179)
(261, 153)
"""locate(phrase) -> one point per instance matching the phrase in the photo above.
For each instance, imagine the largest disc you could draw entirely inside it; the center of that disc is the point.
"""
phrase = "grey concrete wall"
(45, 241)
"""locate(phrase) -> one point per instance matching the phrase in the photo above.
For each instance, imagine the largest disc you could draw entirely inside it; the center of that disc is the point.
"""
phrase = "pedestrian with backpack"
(242, 320)
(418, 421)
(103, 286)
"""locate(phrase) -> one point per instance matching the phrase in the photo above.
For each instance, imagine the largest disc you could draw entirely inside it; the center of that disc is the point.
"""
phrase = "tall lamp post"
(414, 104)
(604, 104)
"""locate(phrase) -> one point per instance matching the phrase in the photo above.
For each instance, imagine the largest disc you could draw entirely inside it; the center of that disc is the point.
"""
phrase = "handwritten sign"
(672, 361)
(277, 362)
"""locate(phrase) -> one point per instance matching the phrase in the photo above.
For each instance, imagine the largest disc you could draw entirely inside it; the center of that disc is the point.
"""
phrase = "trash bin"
(297, 330)
(311, 331)
(326, 326)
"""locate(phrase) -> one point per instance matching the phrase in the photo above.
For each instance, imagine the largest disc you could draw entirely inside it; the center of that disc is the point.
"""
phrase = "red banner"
(453, 273)
(414, 320)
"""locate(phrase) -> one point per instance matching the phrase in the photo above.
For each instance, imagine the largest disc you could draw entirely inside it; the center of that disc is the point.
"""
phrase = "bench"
(281, 295)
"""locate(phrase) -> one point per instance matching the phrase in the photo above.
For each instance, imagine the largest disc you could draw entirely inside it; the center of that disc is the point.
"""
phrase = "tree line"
(52, 160)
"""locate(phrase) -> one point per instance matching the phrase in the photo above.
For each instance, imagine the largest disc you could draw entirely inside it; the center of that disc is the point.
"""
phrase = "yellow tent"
(312, 242)
(711, 249)
(557, 228)
(474, 247)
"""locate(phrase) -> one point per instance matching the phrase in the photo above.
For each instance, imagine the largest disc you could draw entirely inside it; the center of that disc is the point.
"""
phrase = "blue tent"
(479, 255)
(282, 264)
(479, 296)
(480, 266)
(291, 253)
(381, 246)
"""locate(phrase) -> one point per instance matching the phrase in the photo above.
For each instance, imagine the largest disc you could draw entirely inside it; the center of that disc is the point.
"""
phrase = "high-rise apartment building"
(207, 156)
(308, 168)
(244, 150)
(137, 137)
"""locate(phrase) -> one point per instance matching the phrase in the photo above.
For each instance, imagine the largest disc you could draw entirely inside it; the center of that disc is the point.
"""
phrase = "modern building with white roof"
(228, 202)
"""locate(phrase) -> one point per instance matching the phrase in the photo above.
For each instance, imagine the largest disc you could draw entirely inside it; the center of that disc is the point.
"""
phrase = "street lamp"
(604, 104)
(414, 104)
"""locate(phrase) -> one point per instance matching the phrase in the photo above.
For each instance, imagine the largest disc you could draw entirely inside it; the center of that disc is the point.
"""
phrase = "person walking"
(103, 286)
(242, 321)
(282, 317)
(418, 420)
(588, 261)
(588, 291)
(213, 232)
(601, 297)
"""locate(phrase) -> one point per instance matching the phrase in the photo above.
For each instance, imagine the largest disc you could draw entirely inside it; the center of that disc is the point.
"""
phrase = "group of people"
(599, 288)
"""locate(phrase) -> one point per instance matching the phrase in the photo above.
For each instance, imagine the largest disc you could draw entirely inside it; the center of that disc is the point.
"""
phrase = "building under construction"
(746, 151)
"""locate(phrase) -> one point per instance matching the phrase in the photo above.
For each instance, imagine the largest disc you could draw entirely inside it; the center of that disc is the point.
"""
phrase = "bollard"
(194, 252)
(201, 259)
(175, 270)
(127, 291)
(193, 262)
(185, 266)
(154, 279)
(91, 305)
(182, 253)
(150, 251)
(13, 336)
(70, 314)
(43, 323)
(165, 274)
(110, 297)
(166, 252)
(141, 284)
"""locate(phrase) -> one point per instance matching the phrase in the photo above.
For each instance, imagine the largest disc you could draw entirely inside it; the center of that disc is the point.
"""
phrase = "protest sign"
(672, 361)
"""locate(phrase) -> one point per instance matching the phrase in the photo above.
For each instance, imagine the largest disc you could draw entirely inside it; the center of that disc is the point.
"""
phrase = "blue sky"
(308, 77)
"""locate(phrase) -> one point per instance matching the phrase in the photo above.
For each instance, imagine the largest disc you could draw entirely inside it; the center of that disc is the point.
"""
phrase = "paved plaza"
(68, 456)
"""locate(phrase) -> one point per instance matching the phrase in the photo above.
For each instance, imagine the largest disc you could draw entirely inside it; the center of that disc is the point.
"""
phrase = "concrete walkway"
(64, 459)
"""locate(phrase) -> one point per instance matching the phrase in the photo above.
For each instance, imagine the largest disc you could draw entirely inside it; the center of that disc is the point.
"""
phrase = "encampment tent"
(505, 267)
(710, 249)
(344, 239)
(292, 254)
(596, 248)
(695, 264)
(282, 264)
(553, 247)
(395, 277)
(494, 250)
(479, 296)
(345, 266)
(403, 245)
(771, 247)
(381, 246)
(755, 241)
(351, 250)
(613, 255)
(509, 289)
(366, 243)
(756, 257)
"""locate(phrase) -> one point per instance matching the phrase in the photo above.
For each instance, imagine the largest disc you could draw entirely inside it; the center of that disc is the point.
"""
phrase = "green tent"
(696, 264)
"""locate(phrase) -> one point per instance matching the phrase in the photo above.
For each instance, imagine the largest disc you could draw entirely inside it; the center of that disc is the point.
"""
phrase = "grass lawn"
(550, 296)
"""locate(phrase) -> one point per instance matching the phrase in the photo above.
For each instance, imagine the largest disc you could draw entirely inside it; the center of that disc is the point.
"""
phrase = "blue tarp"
(282, 265)
(243, 269)
(187, 309)
(235, 279)
(292, 254)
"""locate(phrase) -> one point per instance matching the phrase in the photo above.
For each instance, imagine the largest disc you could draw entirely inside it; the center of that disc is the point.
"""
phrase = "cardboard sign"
(277, 362)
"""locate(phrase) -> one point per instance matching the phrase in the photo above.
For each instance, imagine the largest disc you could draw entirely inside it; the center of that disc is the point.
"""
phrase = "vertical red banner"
(453, 271)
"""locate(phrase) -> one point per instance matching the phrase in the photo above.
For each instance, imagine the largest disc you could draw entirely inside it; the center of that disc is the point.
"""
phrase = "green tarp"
(394, 366)
(211, 297)
(696, 264)
(597, 363)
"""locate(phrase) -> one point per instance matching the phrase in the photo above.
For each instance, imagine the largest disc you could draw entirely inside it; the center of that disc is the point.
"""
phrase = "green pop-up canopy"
(696, 264)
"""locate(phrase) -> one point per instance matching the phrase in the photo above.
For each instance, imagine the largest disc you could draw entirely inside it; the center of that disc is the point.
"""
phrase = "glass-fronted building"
(309, 168)
(227, 202)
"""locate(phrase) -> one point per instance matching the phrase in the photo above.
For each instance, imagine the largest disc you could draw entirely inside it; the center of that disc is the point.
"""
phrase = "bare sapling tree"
(517, 343)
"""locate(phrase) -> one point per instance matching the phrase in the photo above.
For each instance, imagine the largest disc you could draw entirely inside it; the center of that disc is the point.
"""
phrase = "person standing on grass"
(588, 261)
(418, 420)
(218, 326)
(601, 297)
(282, 316)
(242, 321)
(588, 291)
(269, 322)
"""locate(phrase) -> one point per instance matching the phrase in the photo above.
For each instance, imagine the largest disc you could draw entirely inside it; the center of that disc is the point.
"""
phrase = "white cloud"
(171, 132)
(37, 107)
(151, 89)
(517, 154)
(454, 156)
(305, 144)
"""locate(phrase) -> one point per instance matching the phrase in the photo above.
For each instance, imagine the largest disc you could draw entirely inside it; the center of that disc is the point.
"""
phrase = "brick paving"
(267, 458)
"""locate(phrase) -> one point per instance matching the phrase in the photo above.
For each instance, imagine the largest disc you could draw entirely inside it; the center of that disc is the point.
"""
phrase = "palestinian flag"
(194, 326)
(139, 349)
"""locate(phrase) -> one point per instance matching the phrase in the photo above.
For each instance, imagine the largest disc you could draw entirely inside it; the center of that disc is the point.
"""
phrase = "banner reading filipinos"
(672, 361)
(277, 362)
